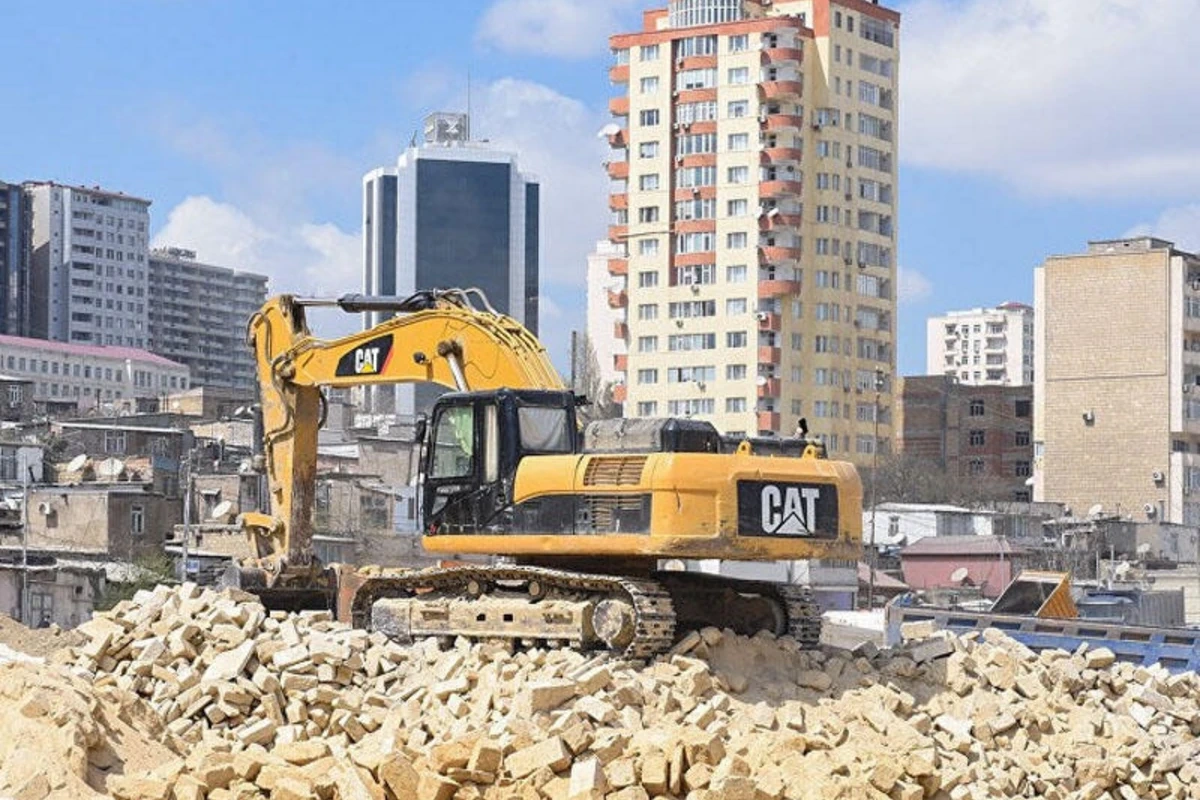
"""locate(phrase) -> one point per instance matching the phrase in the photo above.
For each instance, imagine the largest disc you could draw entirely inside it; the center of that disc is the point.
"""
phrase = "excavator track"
(746, 606)
(537, 603)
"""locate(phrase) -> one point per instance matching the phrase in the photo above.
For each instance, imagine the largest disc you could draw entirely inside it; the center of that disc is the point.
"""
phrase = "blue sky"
(1027, 126)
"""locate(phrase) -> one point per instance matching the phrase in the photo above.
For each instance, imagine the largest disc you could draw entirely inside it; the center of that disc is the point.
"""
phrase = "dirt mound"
(39, 642)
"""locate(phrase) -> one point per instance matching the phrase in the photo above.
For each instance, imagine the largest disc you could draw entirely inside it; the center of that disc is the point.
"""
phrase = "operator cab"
(473, 446)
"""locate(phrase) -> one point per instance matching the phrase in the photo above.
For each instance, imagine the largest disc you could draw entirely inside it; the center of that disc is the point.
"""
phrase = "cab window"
(544, 430)
(454, 443)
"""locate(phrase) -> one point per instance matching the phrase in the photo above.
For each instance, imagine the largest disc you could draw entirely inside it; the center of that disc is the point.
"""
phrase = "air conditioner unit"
(762, 316)
(679, 61)
(44, 509)
(695, 288)
(848, 260)
(695, 190)
(1158, 477)
(1195, 284)
(1150, 509)
(816, 126)
(678, 159)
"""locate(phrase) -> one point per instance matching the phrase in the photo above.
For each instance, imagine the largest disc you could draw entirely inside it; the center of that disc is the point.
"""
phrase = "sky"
(1027, 127)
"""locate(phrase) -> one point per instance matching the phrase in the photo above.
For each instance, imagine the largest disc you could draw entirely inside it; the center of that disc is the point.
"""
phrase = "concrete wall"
(990, 573)
(96, 520)
(64, 597)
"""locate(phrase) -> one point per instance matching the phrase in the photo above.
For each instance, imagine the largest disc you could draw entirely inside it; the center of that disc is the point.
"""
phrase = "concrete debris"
(197, 695)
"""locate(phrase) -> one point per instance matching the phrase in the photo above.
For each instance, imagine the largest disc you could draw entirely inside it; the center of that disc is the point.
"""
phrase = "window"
(797, 341)
(648, 149)
(696, 143)
(14, 395)
(648, 116)
(977, 438)
(648, 183)
(649, 52)
(649, 85)
(1021, 438)
(739, 75)
(696, 242)
(695, 45)
(373, 510)
(699, 111)
(735, 372)
(690, 177)
(975, 409)
(736, 273)
(699, 208)
(1022, 408)
(1022, 469)
(647, 279)
(647, 408)
(697, 79)
(738, 175)
(878, 31)
(738, 109)
(736, 339)
(738, 208)
(739, 142)
(647, 344)
(691, 341)
(114, 442)
(647, 247)
(686, 408)
(454, 443)
(975, 466)
(688, 309)
(699, 274)
(739, 43)
(647, 376)
(686, 374)
(648, 214)
(736, 241)
(647, 311)
(735, 405)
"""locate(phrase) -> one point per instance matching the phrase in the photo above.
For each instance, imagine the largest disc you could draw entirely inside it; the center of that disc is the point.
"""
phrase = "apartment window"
(739, 76)
(735, 405)
(699, 111)
(690, 177)
(735, 372)
(826, 344)
(647, 376)
(1021, 438)
(686, 408)
(739, 142)
(698, 274)
(736, 241)
(647, 408)
(1022, 469)
(648, 183)
(682, 342)
(648, 214)
(736, 339)
(114, 442)
(837, 19)
(797, 374)
(647, 247)
(696, 45)
(697, 79)
(699, 208)
(647, 311)
(686, 374)
(797, 341)
(649, 52)
(689, 309)
(976, 438)
(735, 305)
(975, 466)
(975, 409)
(739, 43)
(647, 344)
(696, 242)
(649, 85)
(877, 31)
(737, 208)
(736, 273)
(137, 520)
(695, 144)
(648, 150)
(738, 175)
(647, 279)
(648, 117)
(738, 109)
(1022, 408)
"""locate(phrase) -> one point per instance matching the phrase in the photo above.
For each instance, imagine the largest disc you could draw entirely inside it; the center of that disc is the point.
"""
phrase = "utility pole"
(574, 356)
(25, 617)
(187, 515)
(873, 553)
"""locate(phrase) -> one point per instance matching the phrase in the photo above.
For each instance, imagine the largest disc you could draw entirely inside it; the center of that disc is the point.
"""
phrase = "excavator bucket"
(318, 597)
(1038, 594)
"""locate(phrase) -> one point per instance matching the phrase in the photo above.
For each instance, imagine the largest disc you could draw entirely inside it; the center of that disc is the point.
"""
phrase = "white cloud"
(912, 286)
(560, 28)
(1067, 97)
(1180, 225)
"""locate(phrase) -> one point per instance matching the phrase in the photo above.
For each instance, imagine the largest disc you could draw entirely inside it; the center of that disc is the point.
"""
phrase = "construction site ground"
(187, 693)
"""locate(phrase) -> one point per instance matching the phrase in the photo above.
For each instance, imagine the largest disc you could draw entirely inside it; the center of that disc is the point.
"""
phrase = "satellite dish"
(222, 509)
(245, 467)
(761, 380)
(611, 129)
(1143, 548)
(110, 467)
(959, 575)
(1096, 510)
(1029, 481)
(77, 463)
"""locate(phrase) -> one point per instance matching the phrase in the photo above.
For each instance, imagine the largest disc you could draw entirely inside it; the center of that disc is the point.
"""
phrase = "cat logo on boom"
(770, 508)
(369, 358)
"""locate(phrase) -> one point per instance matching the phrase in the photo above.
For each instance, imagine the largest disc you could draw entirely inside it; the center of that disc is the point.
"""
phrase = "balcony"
(620, 330)
(696, 62)
(768, 354)
(768, 421)
(777, 188)
(619, 73)
(619, 139)
(770, 388)
(781, 90)
(694, 259)
(775, 254)
(696, 95)
(618, 170)
(618, 266)
(618, 201)
(782, 55)
(618, 233)
(694, 193)
(619, 106)
(699, 160)
(781, 155)
(771, 222)
(695, 225)
(777, 288)
(621, 362)
(783, 122)
(769, 321)
(619, 393)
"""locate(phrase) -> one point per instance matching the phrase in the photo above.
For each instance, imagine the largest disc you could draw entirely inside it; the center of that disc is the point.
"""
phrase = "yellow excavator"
(576, 523)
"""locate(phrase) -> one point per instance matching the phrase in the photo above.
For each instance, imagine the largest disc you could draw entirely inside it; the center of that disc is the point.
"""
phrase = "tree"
(590, 383)
(906, 478)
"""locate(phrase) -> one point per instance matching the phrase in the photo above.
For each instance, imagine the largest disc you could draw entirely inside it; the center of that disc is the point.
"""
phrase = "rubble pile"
(296, 706)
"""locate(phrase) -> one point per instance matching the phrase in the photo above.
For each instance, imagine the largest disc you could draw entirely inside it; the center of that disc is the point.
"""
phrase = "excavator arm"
(449, 337)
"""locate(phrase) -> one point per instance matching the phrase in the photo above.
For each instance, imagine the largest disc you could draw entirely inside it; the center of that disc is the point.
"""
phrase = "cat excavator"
(554, 535)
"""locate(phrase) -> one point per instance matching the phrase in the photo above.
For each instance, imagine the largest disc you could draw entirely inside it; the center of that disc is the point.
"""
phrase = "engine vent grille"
(616, 513)
(614, 471)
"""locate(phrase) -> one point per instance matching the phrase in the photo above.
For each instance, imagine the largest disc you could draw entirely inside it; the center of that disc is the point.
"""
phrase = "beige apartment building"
(753, 195)
(1117, 381)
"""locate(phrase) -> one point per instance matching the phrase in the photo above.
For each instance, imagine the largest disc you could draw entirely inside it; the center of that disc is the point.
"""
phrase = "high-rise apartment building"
(1117, 380)
(451, 213)
(983, 346)
(89, 276)
(198, 317)
(753, 189)
(605, 324)
(14, 260)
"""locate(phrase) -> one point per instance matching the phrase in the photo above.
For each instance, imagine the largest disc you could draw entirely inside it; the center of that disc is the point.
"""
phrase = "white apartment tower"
(983, 346)
(605, 324)
(753, 192)
(89, 276)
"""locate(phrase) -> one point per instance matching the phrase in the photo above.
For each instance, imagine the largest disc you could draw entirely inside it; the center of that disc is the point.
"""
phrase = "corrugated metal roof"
(91, 350)
(962, 545)
(882, 579)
